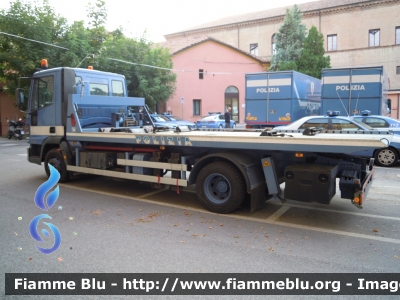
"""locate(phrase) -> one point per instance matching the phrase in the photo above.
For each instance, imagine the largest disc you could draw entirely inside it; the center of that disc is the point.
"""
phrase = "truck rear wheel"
(220, 187)
(55, 158)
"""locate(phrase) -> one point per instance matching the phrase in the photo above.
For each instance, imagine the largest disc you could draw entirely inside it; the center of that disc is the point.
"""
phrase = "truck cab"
(48, 101)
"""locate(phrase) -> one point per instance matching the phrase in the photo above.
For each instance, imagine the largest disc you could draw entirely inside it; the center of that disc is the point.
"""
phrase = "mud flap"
(266, 189)
(257, 197)
(361, 196)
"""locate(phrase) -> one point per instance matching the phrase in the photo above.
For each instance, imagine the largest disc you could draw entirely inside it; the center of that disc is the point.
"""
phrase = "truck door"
(45, 107)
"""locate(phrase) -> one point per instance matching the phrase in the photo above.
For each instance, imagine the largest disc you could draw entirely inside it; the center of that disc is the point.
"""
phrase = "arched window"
(232, 100)
(273, 49)
(231, 89)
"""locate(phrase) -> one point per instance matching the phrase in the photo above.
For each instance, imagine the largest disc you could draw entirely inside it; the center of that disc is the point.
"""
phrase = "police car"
(214, 120)
(386, 157)
(379, 122)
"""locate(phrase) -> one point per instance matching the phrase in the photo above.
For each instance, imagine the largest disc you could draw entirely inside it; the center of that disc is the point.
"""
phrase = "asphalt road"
(117, 226)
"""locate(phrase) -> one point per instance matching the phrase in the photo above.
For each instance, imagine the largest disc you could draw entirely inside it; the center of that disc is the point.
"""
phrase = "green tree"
(147, 68)
(20, 25)
(30, 33)
(77, 40)
(312, 59)
(97, 15)
(289, 41)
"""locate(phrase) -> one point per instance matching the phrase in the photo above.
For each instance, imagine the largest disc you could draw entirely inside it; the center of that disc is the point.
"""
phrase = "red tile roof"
(177, 45)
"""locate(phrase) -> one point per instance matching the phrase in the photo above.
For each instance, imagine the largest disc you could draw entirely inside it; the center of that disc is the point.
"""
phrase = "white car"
(386, 157)
(379, 122)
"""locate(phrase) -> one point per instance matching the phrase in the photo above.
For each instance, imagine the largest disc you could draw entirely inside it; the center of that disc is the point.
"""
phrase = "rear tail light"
(73, 121)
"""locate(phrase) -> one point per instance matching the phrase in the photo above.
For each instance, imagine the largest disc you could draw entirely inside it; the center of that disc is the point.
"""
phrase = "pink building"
(210, 77)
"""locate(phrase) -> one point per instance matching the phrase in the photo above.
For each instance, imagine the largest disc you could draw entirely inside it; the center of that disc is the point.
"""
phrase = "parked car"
(386, 157)
(214, 120)
(379, 122)
(180, 121)
(162, 122)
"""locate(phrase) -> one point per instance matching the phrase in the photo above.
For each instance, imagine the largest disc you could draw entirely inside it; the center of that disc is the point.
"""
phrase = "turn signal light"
(299, 154)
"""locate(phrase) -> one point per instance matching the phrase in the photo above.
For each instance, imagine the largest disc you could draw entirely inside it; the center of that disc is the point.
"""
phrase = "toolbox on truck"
(310, 183)
(98, 160)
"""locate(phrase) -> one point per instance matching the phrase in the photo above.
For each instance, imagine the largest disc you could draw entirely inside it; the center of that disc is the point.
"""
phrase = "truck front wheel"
(55, 158)
(220, 187)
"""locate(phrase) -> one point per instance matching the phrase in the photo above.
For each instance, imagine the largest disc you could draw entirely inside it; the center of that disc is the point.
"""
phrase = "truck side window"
(117, 88)
(43, 92)
(99, 89)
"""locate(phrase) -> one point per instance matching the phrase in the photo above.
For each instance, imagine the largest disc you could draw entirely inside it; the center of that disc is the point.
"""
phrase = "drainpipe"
(238, 45)
(319, 19)
(351, 81)
(267, 98)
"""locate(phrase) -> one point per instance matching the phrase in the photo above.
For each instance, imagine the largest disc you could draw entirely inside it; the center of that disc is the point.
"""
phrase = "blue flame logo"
(46, 203)
(45, 187)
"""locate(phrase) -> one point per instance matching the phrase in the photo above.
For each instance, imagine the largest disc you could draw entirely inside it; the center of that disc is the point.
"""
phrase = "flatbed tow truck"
(82, 122)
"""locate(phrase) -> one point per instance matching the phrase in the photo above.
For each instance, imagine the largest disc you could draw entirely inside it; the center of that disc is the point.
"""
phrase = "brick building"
(356, 33)
(8, 110)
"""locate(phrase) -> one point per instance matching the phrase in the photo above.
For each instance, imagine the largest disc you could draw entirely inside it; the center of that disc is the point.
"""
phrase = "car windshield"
(158, 119)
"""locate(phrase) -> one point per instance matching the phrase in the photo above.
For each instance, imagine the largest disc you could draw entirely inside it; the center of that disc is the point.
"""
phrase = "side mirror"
(19, 97)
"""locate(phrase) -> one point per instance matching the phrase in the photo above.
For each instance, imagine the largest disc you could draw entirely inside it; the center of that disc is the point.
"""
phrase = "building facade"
(356, 32)
(210, 77)
(8, 110)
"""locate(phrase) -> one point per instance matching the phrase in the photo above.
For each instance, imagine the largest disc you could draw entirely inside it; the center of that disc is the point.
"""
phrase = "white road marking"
(22, 154)
(340, 211)
(278, 213)
(264, 221)
(6, 145)
(153, 193)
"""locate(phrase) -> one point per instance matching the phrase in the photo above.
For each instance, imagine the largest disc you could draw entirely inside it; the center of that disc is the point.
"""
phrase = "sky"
(160, 17)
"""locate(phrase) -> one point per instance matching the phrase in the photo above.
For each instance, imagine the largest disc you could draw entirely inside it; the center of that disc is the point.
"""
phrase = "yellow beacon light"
(43, 64)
